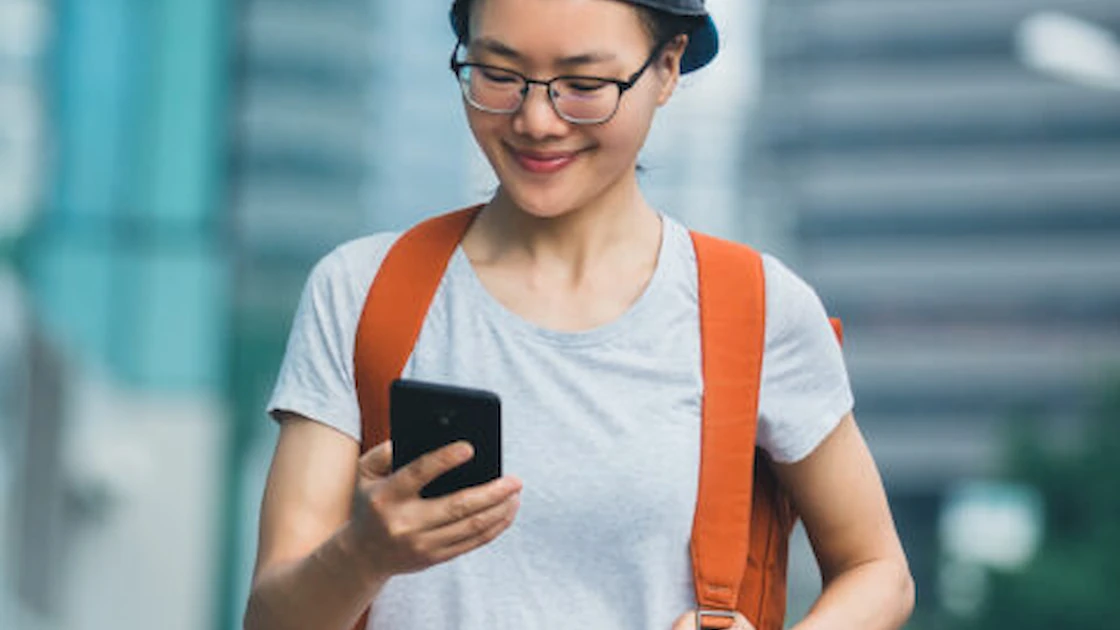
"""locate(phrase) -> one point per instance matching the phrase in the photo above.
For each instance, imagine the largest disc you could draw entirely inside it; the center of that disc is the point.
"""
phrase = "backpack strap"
(732, 332)
(393, 315)
(738, 491)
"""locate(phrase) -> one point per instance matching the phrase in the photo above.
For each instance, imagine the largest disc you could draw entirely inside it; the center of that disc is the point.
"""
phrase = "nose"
(537, 119)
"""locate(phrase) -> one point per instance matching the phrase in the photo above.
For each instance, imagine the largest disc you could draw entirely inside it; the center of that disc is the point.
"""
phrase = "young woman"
(577, 302)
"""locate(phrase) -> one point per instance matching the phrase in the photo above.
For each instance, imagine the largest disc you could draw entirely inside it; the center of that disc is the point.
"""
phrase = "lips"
(544, 163)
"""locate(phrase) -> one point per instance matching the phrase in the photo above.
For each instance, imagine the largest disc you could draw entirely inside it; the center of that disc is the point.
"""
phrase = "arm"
(839, 494)
(307, 574)
(335, 528)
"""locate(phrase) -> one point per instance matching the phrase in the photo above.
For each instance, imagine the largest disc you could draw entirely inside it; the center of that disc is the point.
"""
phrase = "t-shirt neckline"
(462, 269)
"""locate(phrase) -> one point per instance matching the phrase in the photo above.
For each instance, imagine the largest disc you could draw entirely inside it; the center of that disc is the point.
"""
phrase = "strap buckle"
(717, 614)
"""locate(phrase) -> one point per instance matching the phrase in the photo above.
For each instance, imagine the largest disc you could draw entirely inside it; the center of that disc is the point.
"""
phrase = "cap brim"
(703, 45)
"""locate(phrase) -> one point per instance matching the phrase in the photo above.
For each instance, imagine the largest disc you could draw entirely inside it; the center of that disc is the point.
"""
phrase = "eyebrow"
(495, 47)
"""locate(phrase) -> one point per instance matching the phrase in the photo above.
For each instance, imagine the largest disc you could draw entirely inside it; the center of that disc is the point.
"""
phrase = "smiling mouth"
(541, 163)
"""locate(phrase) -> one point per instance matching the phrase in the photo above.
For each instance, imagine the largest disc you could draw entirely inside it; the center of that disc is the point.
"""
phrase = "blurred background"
(945, 172)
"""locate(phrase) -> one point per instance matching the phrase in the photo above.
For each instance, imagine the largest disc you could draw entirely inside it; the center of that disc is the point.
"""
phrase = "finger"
(378, 461)
(686, 621)
(741, 622)
(475, 525)
(408, 481)
(465, 504)
(470, 544)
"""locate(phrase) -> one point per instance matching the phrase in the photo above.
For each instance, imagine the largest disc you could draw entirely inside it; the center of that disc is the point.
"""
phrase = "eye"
(494, 75)
(584, 85)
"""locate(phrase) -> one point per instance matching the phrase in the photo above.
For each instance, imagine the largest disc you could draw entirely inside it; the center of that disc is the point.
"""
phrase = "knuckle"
(479, 525)
(490, 534)
(416, 472)
(458, 508)
(398, 530)
(376, 500)
(447, 458)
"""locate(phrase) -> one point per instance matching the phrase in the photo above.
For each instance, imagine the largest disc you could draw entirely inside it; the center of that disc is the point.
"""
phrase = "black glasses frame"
(623, 84)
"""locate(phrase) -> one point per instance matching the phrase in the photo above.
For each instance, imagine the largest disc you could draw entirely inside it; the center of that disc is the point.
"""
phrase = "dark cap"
(703, 43)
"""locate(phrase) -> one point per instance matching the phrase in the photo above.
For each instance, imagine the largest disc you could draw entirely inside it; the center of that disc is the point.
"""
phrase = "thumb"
(686, 621)
(377, 461)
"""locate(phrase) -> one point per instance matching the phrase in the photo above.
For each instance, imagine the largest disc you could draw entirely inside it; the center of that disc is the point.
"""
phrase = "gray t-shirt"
(602, 426)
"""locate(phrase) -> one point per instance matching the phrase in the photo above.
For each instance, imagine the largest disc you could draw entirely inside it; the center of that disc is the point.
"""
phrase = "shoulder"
(355, 260)
(340, 280)
(784, 283)
(336, 288)
(805, 390)
(795, 315)
(786, 291)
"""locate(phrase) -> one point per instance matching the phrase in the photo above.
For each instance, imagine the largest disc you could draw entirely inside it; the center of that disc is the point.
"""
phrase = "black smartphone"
(425, 416)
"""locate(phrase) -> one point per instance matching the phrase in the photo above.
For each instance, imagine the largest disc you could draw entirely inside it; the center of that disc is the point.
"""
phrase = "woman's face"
(547, 166)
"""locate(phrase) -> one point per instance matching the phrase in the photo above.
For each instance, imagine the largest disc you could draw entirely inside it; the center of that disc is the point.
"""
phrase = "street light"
(1070, 48)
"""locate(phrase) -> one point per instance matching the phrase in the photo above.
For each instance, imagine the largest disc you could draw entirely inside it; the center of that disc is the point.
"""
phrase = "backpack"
(742, 523)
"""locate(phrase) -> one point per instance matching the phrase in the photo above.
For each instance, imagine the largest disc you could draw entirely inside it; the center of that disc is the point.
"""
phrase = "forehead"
(557, 28)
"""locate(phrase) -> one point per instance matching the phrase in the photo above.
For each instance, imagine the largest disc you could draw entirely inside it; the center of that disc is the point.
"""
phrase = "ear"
(668, 67)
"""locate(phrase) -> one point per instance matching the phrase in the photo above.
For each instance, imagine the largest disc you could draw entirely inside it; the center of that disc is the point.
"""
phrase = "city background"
(946, 173)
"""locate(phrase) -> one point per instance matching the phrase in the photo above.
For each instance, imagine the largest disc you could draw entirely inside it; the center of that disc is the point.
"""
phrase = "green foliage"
(1074, 581)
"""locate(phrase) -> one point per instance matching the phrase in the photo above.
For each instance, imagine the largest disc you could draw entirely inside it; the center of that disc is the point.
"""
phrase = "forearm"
(328, 589)
(873, 596)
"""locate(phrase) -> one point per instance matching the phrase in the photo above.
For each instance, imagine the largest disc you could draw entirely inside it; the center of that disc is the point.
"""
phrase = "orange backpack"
(743, 521)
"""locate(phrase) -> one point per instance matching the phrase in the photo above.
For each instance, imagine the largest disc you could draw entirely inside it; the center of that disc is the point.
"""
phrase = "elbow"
(907, 594)
(251, 619)
(256, 615)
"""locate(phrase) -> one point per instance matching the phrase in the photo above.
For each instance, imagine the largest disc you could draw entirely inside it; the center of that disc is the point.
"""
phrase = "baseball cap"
(703, 43)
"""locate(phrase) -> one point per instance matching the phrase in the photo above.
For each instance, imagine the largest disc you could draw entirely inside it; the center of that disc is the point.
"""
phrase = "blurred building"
(299, 171)
(110, 149)
(959, 212)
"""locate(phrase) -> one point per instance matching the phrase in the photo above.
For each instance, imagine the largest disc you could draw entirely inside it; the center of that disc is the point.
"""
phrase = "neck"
(615, 222)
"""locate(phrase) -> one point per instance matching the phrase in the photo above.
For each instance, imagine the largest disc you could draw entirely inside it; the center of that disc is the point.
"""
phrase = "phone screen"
(425, 416)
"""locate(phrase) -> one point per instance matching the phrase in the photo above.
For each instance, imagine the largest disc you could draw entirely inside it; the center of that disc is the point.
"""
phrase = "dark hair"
(662, 26)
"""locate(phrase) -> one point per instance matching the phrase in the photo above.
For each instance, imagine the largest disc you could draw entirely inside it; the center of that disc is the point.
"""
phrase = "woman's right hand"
(400, 532)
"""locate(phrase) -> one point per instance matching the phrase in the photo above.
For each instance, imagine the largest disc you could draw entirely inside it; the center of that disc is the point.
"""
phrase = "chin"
(542, 204)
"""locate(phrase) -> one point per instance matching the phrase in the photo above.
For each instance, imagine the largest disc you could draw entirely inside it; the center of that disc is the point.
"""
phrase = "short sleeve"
(316, 377)
(805, 390)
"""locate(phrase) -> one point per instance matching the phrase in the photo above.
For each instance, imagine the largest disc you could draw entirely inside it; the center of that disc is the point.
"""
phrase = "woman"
(577, 302)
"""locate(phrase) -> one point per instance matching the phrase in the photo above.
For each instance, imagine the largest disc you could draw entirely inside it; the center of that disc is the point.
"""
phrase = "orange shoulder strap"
(733, 336)
(732, 333)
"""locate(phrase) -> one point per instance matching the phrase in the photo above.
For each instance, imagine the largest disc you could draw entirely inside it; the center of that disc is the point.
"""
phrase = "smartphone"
(425, 416)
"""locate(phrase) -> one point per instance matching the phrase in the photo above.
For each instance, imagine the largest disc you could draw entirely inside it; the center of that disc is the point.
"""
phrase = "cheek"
(485, 127)
(627, 131)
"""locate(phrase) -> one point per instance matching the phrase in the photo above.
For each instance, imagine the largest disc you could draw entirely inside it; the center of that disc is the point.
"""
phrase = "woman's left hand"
(687, 621)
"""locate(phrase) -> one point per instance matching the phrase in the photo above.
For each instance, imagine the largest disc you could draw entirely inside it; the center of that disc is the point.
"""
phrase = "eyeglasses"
(580, 100)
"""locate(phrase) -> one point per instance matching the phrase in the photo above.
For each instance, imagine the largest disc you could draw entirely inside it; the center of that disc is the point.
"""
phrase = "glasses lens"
(492, 89)
(585, 100)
